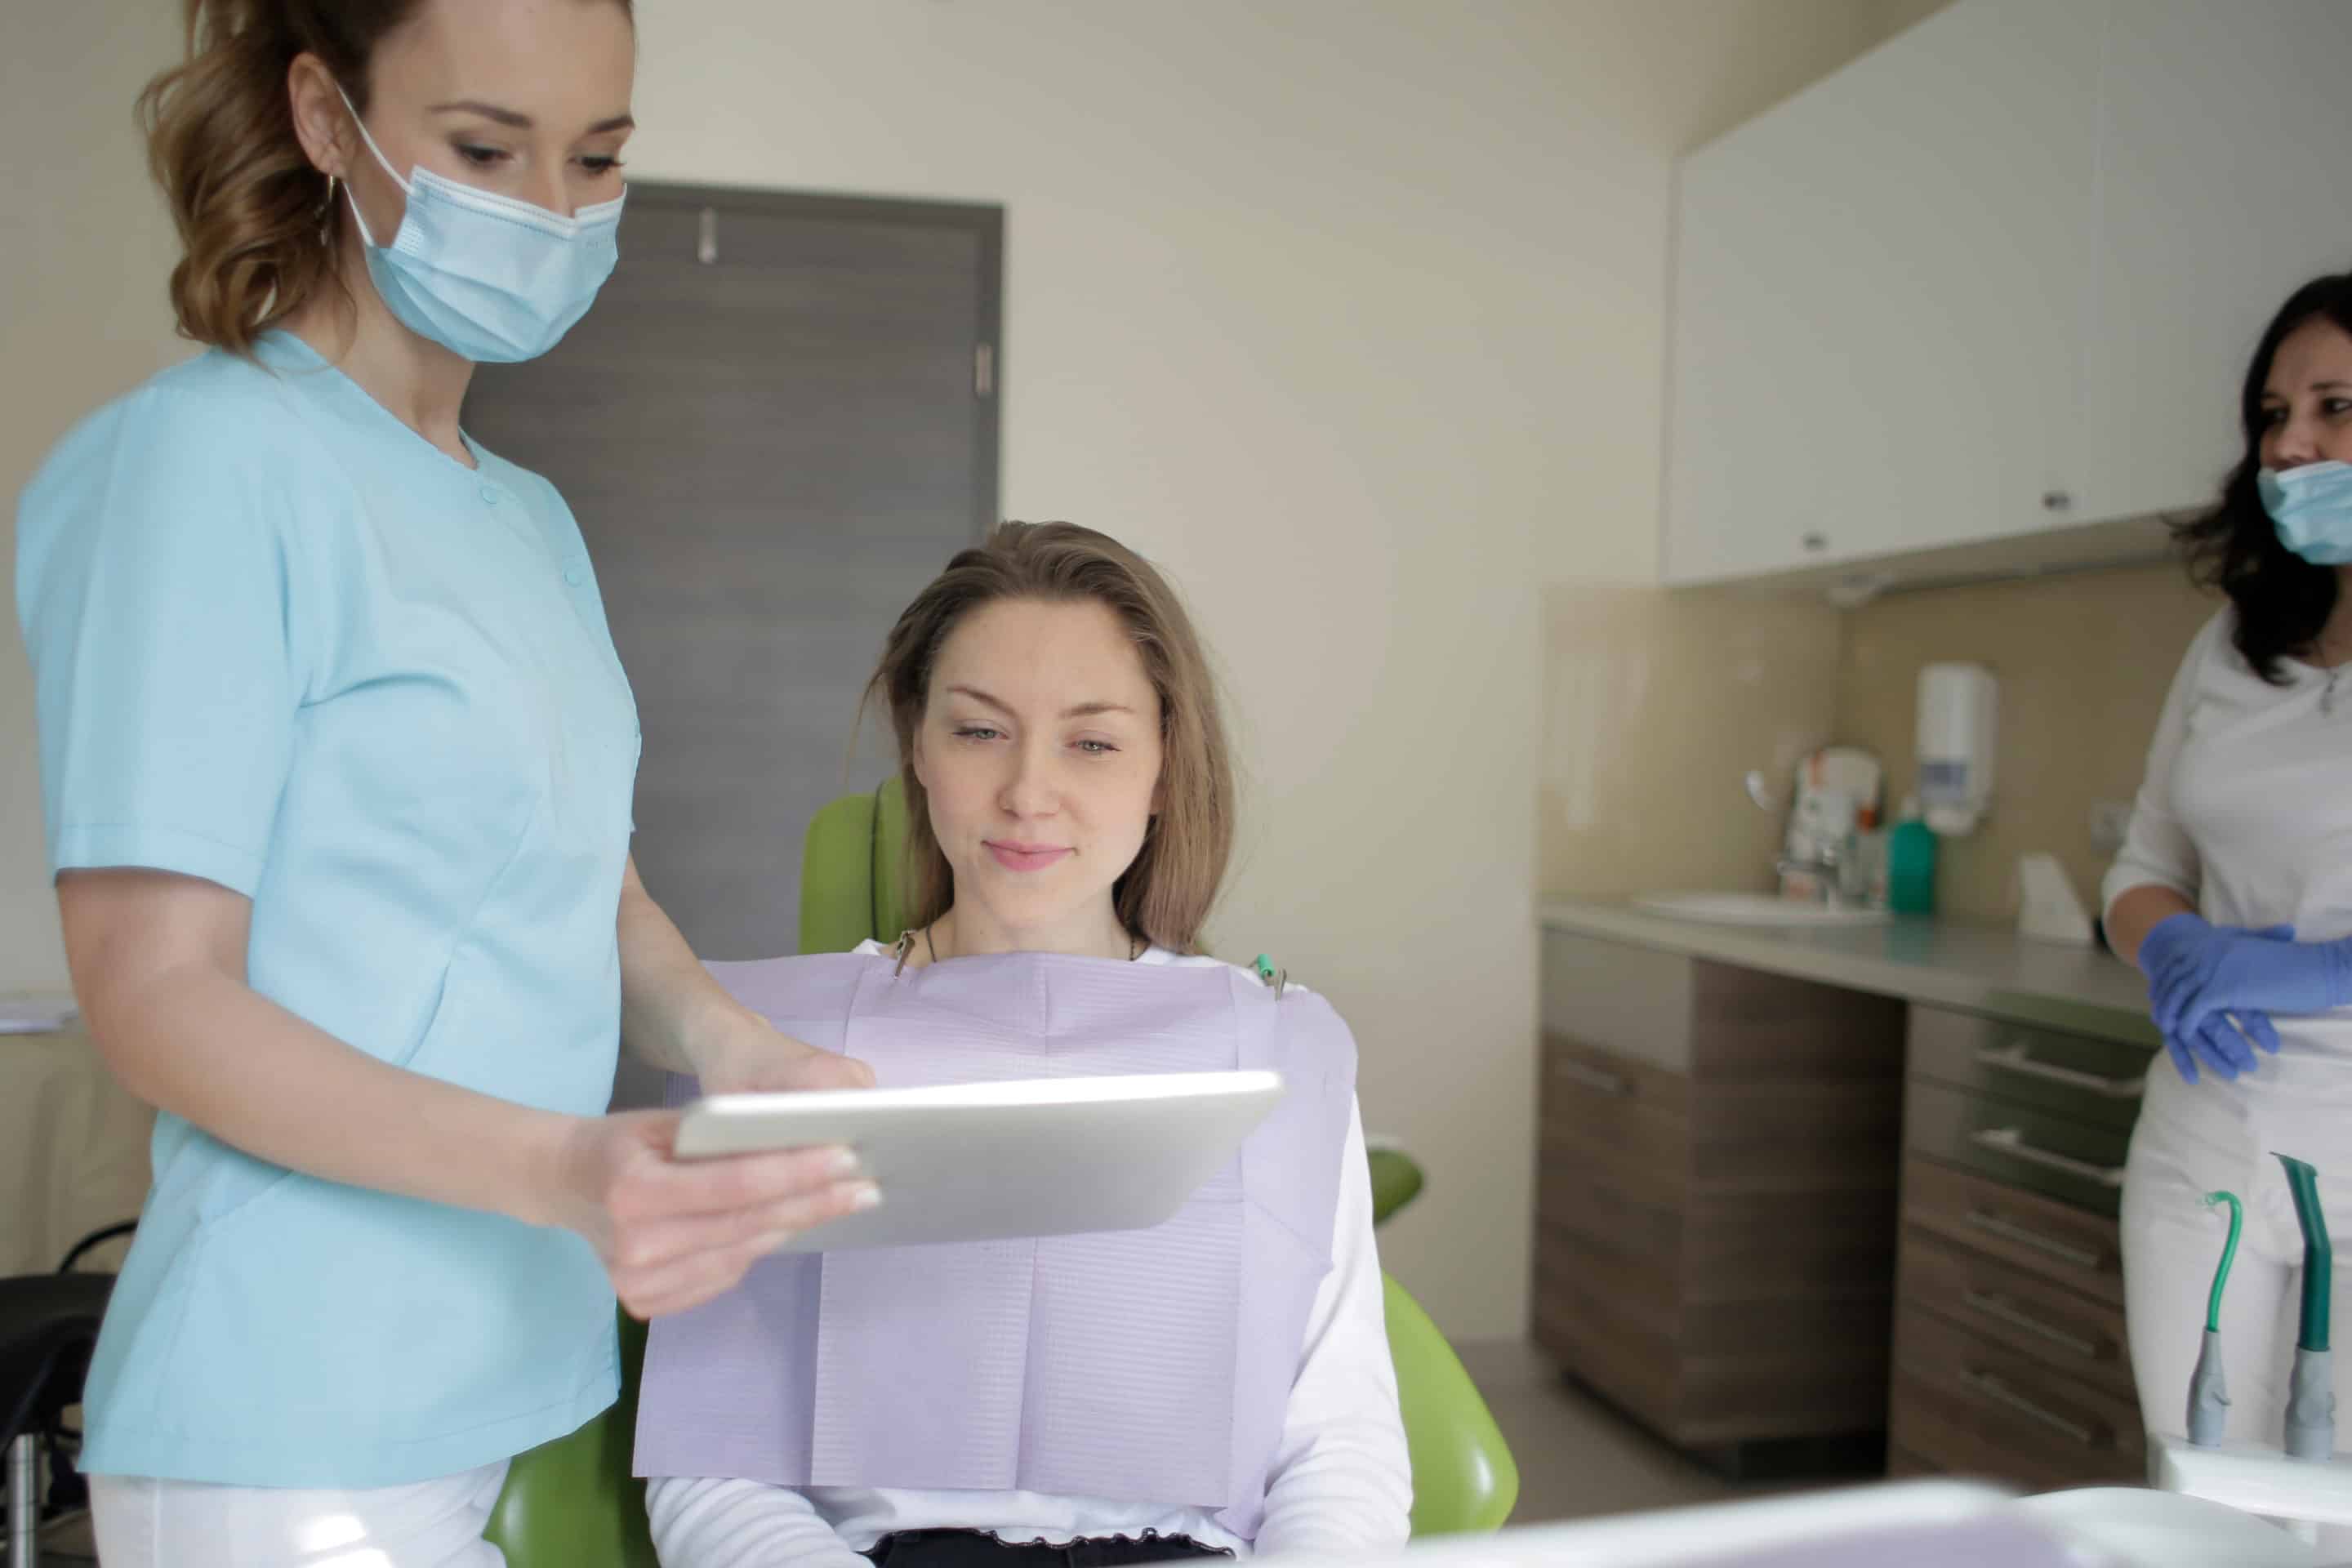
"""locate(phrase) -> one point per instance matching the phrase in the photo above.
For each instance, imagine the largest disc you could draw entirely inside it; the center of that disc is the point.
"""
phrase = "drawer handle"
(1591, 1077)
(1999, 1307)
(2011, 1141)
(2000, 1392)
(2012, 1058)
(2009, 1230)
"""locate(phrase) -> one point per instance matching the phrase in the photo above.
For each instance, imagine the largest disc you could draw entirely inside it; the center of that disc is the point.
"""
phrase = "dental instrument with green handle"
(2311, 1392)
(2208, 1393)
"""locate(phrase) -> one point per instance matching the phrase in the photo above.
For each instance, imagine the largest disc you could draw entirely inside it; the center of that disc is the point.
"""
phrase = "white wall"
(1350, 312)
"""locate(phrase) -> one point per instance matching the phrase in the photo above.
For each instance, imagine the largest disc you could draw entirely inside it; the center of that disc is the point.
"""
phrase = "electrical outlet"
(2110, 820)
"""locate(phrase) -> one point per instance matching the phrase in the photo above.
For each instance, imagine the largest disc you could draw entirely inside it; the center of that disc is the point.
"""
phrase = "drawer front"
(2074, 1161)
(1634, 1002)
(1970, 1404)
(2094, 1081)
(2049, 1240)
(1625, 1122)
(1611, 1320)
(2019, 1311)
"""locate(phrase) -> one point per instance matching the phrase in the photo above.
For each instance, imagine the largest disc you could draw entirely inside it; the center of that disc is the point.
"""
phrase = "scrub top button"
(575, 574)
(490, 494)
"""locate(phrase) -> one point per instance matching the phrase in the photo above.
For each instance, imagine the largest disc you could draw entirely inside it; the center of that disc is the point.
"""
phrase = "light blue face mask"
(489, 277)
(2311, 506)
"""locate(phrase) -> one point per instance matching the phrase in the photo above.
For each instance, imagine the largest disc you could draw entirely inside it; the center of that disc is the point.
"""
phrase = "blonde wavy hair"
(1166, 895)
(258, 232)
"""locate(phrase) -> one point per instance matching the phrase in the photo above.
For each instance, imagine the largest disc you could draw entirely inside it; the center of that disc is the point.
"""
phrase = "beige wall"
(1703, 685)
(1353, 315)
(1657, 705)
(1350, 311)
(85, 249)
(2083, 663)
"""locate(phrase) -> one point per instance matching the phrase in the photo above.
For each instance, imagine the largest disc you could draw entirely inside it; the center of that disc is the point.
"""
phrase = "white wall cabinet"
(1993, 284)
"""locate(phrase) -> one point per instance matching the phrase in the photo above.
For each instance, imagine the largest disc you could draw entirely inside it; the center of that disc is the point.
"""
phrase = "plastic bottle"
(1911, 863)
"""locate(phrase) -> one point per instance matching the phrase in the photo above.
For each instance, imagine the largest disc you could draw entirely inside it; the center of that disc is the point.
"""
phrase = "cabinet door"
(2226, 175)
(1880, 288)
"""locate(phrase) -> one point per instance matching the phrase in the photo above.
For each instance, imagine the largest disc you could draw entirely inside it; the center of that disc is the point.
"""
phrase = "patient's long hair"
(1165, 896)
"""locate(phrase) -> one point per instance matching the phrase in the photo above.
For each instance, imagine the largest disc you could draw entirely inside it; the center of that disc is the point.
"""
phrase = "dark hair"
(1165, 896)
(2282, 601)
(256, 235)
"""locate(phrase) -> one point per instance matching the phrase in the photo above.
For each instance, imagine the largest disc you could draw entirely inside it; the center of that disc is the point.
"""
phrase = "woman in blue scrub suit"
(337, 761)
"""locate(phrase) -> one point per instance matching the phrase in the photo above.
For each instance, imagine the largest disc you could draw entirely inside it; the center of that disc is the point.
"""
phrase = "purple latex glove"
(2220, 1041)
(2213, 988)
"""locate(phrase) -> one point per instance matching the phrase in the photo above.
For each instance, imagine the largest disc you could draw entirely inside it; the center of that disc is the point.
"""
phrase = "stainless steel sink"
(1754, 909)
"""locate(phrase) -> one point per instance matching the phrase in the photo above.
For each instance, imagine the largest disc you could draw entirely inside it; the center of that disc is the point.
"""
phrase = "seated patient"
(1217, 1385)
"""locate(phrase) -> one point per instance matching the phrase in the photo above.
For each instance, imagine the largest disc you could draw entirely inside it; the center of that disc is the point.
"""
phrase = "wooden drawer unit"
(1973, 1406)
(2051, 1240)
(2094, 1081)
(1716, 1192)
(2017, 1145)
(2020, 1311)
(2011, 1359)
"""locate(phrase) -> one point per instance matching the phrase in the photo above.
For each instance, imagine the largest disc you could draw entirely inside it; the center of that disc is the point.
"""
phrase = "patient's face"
(1040, 750)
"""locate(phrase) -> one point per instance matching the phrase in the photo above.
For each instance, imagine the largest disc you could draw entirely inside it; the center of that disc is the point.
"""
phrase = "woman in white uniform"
(2233, 893)
(336, 762)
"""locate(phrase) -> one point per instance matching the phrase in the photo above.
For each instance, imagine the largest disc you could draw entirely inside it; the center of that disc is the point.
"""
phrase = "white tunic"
(2246, 812)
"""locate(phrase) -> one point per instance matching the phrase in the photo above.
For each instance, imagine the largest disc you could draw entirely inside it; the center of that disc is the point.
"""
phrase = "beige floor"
(1577, 1455)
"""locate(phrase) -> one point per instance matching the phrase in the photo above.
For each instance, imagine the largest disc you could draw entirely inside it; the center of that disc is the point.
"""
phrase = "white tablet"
(987, 1160)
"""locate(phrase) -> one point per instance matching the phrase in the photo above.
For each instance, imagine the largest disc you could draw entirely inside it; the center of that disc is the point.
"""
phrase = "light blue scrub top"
(282, 642)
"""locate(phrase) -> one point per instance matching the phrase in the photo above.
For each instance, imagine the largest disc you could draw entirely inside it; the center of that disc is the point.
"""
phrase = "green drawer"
(2088, 1081)
(2020, 1145)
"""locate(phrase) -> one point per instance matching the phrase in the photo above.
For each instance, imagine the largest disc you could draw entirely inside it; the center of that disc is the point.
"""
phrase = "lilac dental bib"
(1153, 1365)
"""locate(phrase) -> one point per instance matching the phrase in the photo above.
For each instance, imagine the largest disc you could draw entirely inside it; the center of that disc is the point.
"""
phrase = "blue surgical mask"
(489, 278)
(2311, 506)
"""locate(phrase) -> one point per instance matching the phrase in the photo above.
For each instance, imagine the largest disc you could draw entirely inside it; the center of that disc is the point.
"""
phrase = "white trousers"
(2194, 1139)
(146, 1524)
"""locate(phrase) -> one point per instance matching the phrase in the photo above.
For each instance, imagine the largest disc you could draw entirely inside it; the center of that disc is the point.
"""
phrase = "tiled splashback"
(1657, 703)
(2083, 661)
(1654, 705)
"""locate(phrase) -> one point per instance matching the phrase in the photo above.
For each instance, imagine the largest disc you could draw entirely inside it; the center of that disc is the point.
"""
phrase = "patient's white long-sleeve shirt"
(1340, 1478)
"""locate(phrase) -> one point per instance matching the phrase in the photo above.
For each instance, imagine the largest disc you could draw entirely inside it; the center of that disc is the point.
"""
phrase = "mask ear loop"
(382, 161)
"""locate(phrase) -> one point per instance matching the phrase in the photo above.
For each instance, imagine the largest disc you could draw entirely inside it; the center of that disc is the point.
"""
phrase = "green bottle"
(1911, 863)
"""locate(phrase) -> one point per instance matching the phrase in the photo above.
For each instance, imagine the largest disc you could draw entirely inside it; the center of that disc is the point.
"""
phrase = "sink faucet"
(1827, 873)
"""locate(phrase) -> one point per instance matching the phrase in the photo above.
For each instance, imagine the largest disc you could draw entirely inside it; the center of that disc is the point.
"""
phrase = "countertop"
(1976, 969)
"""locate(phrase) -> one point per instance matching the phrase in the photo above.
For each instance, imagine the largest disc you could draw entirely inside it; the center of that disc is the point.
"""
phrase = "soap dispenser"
(1911, 863)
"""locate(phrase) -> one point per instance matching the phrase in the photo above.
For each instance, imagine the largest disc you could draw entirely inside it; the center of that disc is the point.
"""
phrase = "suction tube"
(2310, 1388)
(2209, 1392)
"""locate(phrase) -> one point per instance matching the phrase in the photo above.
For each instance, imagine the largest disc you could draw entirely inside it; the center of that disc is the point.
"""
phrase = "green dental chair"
(572, 1504)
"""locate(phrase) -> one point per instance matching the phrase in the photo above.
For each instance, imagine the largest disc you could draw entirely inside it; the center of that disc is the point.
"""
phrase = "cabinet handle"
(2011, 1141)
(2009, 1230)
(1576, 1072)
(2013, 1058)
(2000, 1392)
(1815, 542)
(1993, 1306)
(2056, 500)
